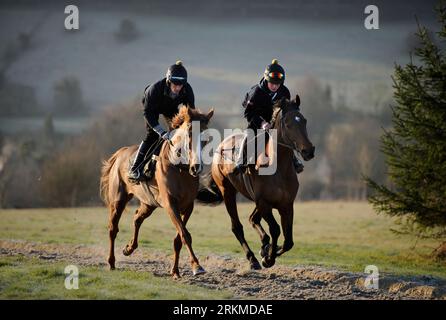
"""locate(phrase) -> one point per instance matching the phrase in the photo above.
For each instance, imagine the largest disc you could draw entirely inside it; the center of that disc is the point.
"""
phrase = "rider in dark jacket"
(161, 98)
(259, 106)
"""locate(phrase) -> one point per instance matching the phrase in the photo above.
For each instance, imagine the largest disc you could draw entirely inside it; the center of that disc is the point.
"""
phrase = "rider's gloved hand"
(266, 125)
(166, 136)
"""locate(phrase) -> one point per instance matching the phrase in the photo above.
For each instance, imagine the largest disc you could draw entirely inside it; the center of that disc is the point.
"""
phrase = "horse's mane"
(277, 108)
(187, 115)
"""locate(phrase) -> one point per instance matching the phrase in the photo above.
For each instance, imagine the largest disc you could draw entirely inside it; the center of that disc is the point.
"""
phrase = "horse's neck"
(165, 151)
(168, 151)
(283, 152)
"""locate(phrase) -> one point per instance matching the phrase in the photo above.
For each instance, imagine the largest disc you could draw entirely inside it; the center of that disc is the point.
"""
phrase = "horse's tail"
(209, 193)
(105, 177)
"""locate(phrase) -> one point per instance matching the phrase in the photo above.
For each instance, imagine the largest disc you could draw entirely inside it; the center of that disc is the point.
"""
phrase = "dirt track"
(279, 282)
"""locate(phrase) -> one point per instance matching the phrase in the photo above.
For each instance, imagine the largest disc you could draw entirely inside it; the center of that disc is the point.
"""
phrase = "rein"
(183, 159)
(282, 132)
(284, 136)
(177, 151)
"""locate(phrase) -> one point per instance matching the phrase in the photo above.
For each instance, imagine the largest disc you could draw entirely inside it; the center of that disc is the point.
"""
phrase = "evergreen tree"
(415, 147)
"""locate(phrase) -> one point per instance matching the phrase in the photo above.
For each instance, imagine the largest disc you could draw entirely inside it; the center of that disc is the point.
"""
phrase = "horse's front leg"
(183, 237)
(270, 259)
(286, 218)
(254, 219)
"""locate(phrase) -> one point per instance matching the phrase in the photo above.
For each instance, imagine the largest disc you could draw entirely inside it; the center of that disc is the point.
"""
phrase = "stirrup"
(251, 168)
(135, 177)
(240, 168)
(150, 167)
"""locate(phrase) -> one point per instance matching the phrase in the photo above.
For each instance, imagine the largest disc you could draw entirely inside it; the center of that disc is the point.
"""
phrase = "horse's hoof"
(264, 250)
(267, 263)
(255, 265)
(198, 270)
(176, 276)
(175, 273)
(111, 264)
(127, 251)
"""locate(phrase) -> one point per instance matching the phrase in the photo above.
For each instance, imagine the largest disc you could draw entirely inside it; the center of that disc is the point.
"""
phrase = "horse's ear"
(185, 113)
(210, 114)
(189, 110)
(183, 110)
(297, 100)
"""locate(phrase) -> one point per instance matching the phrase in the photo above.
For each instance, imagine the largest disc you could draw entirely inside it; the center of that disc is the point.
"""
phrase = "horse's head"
(293, 127)
(189, 123)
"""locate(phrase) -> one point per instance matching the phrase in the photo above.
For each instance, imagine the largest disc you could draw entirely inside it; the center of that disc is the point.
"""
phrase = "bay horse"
(276, 191)
(174, 187)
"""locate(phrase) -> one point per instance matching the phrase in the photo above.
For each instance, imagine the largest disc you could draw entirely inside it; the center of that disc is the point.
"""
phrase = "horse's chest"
(183, 187)
(279, 192)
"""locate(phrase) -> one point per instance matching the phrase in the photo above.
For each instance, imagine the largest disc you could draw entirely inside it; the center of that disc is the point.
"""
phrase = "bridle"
(291, 145)
(183, 166)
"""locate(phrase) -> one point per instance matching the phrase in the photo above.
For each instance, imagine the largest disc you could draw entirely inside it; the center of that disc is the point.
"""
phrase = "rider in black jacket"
(259, 103)
(161, 98)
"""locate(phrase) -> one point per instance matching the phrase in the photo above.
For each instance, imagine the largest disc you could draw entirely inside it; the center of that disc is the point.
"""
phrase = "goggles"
(177, 78)
(275, 75)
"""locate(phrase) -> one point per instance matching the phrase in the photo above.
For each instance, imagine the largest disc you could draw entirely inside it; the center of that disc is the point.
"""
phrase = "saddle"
(262, 158)
(149, 166)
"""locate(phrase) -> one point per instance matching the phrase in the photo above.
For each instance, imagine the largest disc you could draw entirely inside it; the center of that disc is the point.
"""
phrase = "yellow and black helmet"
(177, 73)
(274, 73)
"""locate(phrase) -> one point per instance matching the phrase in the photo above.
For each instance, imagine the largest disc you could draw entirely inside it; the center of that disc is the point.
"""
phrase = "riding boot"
(151, 164)
(136, 172)
(298, 165)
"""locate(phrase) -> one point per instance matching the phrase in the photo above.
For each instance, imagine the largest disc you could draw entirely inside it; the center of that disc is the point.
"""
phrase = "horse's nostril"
(308, 153)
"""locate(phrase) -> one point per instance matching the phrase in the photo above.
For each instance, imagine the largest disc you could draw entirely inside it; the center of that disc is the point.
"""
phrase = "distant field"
(344, 235)
(61, 125)
(224, 58)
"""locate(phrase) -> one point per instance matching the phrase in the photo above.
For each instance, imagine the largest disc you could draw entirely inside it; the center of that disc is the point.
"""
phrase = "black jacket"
(259, 103)
(157, 101)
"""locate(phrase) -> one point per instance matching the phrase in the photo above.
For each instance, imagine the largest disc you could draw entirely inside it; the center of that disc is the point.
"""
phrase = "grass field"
(344, 235)
(24, 278)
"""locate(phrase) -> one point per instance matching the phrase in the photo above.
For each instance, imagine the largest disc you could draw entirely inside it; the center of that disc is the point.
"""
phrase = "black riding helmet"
(177, 73)
(274, 73)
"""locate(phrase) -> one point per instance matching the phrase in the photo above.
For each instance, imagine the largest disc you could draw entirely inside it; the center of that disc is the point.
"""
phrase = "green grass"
(28, 278)
(346, 235)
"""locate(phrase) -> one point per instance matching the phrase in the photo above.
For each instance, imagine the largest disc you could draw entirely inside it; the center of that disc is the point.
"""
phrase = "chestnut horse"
(173, 187)
(277, 190)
